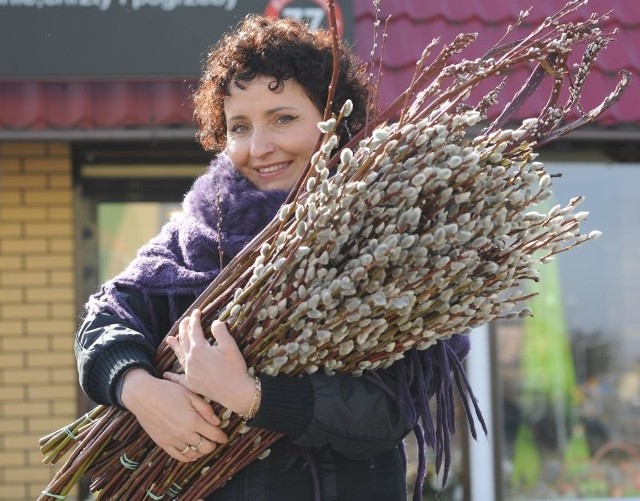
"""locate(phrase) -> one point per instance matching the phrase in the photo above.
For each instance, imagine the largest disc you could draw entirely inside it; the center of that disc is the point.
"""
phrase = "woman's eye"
(238, 128)
(284, 119)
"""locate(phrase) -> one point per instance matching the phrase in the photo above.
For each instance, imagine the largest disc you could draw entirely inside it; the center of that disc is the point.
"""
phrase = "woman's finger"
(214, 435)
(184, 325)
(196, 335)
(222, 336)
(185, 328)
(175, 345)
(176, 378)
(181, 455)
(204, 409)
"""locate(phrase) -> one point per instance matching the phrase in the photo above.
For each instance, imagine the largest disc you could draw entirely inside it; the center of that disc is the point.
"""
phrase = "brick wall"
(37, 309)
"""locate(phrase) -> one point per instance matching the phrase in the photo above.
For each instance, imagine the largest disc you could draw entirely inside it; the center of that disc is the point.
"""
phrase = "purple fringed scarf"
(223, 211)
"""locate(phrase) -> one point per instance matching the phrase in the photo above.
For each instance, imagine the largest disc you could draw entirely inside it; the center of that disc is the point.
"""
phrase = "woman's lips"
(270, 169)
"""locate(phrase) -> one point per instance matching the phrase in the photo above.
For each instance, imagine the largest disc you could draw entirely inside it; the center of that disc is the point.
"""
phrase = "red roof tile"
(89, 105)
(413, 23)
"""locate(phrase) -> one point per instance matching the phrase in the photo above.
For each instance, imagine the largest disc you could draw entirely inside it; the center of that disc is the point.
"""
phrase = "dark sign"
(130, 39)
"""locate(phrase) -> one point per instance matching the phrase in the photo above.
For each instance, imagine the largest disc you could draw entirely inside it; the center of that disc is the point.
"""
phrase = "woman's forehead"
(261, 92)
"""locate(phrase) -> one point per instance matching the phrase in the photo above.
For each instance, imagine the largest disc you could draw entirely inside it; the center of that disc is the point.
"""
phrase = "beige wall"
(37, 309)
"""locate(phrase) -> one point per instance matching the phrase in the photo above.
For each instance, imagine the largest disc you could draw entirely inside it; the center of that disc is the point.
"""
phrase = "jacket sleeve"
(352, 415)
(106, 346)
(355, 416)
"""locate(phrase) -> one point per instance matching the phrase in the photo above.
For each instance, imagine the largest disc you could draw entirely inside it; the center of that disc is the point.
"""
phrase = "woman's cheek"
(235, 152)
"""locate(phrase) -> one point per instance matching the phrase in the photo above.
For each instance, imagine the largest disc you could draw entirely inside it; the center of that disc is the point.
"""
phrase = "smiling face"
(271, 134)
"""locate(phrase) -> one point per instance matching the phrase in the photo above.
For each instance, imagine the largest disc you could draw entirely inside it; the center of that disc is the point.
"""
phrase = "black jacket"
(354, 427)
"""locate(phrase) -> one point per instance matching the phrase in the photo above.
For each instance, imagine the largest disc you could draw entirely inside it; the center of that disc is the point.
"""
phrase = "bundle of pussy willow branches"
(414, 231)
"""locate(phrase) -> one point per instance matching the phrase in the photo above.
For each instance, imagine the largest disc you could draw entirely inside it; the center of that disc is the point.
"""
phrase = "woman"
(261, 96)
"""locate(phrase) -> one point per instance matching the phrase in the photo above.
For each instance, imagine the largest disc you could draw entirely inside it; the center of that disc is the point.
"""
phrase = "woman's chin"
(277, 183)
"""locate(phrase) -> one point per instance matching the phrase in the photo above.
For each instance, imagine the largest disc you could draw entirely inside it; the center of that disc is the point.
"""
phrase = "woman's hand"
(217, 372)
(182, 423)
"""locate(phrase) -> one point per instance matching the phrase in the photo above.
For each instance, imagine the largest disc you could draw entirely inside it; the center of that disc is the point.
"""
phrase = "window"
(123, 227)
(570, 377)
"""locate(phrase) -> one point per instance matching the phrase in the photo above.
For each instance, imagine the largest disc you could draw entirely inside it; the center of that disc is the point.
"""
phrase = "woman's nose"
(261, 143)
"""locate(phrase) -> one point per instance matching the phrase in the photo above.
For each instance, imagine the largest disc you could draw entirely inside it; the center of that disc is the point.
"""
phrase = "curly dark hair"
(282, 49)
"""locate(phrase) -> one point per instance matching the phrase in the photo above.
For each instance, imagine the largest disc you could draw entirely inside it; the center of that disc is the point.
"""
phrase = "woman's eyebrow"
(278, 109)
(270, 111)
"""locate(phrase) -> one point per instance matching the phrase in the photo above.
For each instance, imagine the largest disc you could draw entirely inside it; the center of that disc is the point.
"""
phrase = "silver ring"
(185, 450)
(194, 449)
